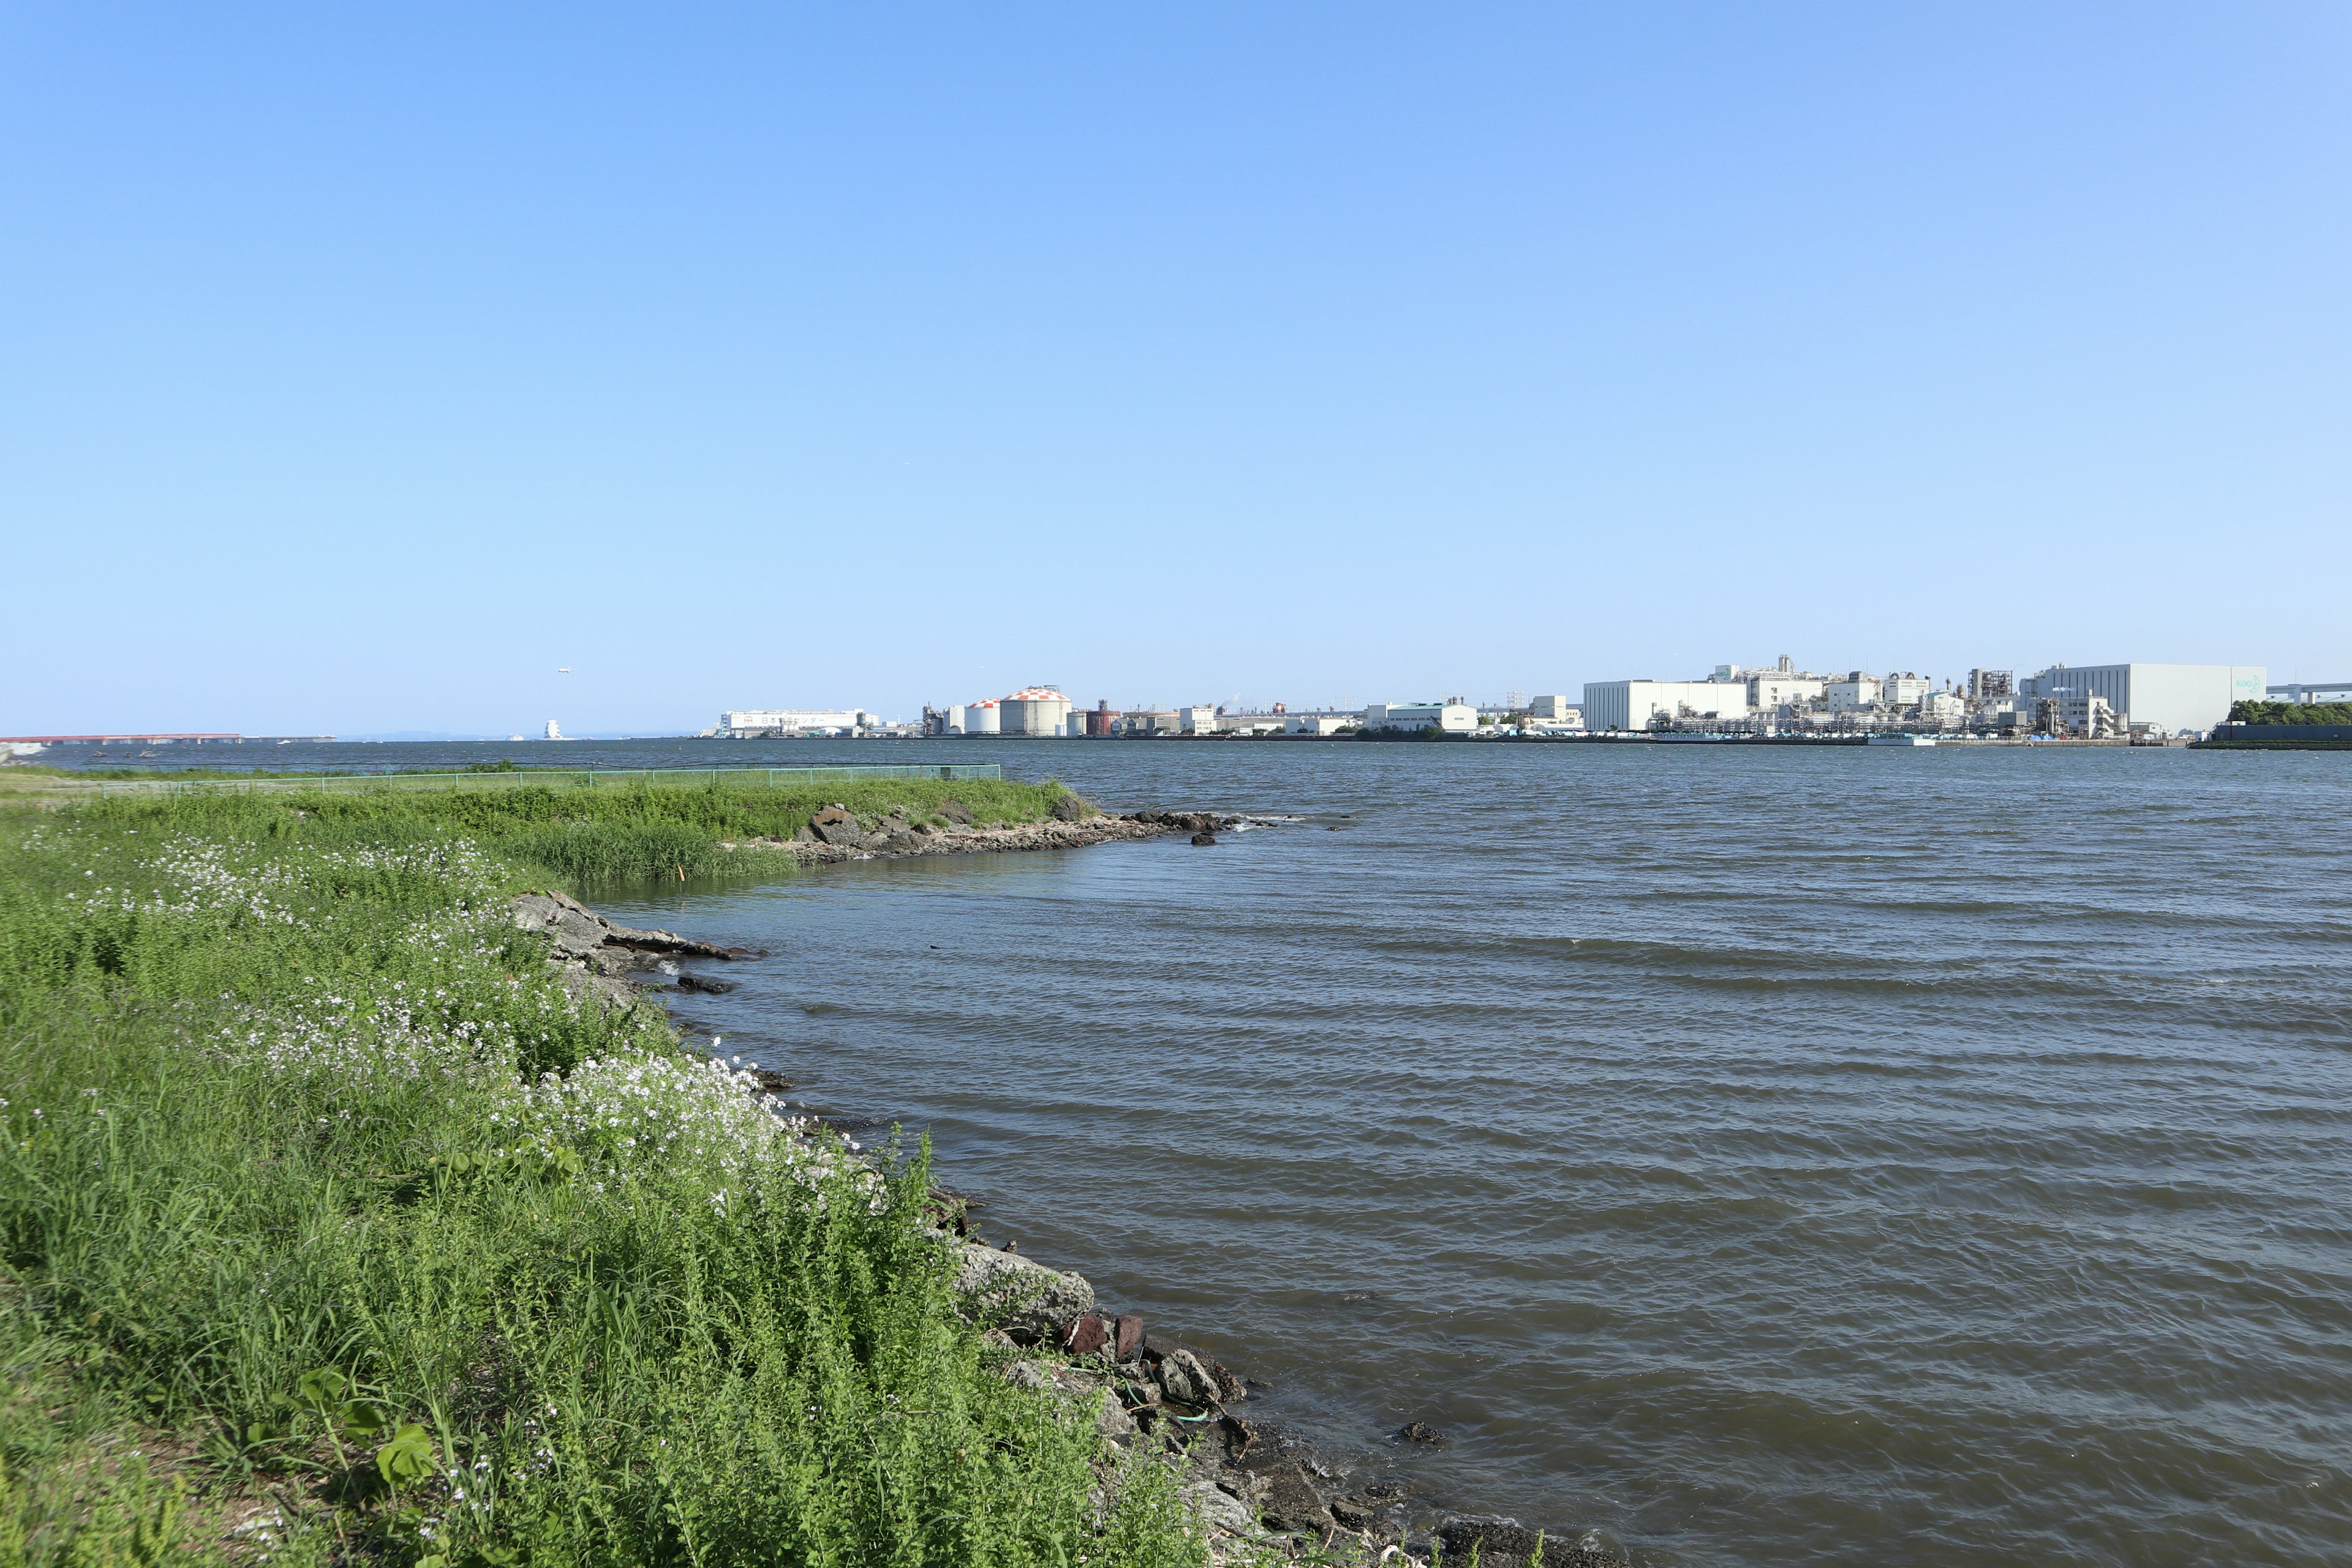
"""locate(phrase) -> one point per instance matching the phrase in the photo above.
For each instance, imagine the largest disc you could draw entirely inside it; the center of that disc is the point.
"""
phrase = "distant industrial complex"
(2118, 703)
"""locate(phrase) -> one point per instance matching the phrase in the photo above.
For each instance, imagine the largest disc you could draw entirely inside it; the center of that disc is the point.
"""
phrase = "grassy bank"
(586, 837)
(332, 1233)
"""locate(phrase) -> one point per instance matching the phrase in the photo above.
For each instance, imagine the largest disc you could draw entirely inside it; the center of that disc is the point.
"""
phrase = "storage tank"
(980, 718)
(1035, 711)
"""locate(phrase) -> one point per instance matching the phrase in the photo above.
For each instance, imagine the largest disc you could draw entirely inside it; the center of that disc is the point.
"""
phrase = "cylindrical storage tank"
(955, 719)
(980, 718)
(1035, 711)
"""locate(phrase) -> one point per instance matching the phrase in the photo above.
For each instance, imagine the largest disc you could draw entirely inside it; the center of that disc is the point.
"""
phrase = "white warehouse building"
(1450, 718)
(1632, 704)
(793, 720)
(2174, 697)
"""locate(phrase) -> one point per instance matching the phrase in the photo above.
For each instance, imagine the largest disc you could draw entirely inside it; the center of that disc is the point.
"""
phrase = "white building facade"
(1450, 718)
(1631, 705)
(2175, 697)
(793, 720)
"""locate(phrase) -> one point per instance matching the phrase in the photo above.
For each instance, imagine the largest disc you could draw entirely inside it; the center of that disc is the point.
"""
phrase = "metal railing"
(550, 778)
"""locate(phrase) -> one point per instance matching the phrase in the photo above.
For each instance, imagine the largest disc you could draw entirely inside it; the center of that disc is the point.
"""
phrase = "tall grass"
(310, 1178)
(579, 836)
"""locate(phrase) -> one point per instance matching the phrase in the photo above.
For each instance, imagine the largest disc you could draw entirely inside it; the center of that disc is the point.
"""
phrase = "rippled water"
(1755, 1155)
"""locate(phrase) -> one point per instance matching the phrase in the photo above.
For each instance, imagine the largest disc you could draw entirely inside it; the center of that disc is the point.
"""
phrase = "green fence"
(552, 778)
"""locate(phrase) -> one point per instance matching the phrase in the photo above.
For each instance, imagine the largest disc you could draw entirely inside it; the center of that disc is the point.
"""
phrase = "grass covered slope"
(331, 1227)
(581, 835)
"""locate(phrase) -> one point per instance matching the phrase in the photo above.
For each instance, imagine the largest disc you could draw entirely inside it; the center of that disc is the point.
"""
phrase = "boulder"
(1129, 1343)
(1086, 1336)
(1184, 1380)
(1068, 808)
(1419, 1432)
(1204, 838)
(1287, 1498)
(1112, 1420)
(1034, 1302)
(1500, 1543)
(842, 832)
(1025, 1374)
(1215, 1507)
(955, 811)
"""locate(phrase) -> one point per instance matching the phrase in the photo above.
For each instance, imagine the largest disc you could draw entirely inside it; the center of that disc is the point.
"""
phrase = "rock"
(1184, 1380)
(1287, 1499)
(1155, 1346)
(1419, 1432)
(769, 1082)
(1036, 1302)
(1068, 808)
(1112, 1420)
(1354, 1515)
(1204, 838)
(1130, 1342)
(1209, 1503)
(842, 832)
(1229, 1387)
(705, 983)
(1086, 1335)
(802, 835)
(955, 811)
(1500, 1543)
(1025, 1374)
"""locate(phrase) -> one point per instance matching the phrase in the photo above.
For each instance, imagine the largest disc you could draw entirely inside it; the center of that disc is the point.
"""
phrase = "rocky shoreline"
(835, 835)
(1252, 1487)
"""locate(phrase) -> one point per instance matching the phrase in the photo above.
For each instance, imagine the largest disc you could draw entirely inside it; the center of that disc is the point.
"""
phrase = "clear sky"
(359, 367)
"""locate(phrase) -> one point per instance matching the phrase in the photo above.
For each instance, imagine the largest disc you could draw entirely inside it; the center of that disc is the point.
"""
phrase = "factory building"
(1452, 718)
(1151, 721)
(1857, 692)
(2175, 697)
(793, 720)
(1632, 704)
(1769, 689)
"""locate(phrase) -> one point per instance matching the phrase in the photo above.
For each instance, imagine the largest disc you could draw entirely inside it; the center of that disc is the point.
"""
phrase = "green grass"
(313, 1187)
(585, 838)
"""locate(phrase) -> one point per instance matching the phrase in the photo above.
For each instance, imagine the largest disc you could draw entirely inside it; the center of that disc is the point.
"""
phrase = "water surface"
(1757, 1155)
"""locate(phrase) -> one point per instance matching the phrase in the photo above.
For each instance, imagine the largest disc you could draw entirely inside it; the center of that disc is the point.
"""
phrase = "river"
(1752, 1155)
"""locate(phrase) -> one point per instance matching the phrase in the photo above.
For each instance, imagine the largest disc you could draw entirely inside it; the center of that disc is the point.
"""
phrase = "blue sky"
(359, 370)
